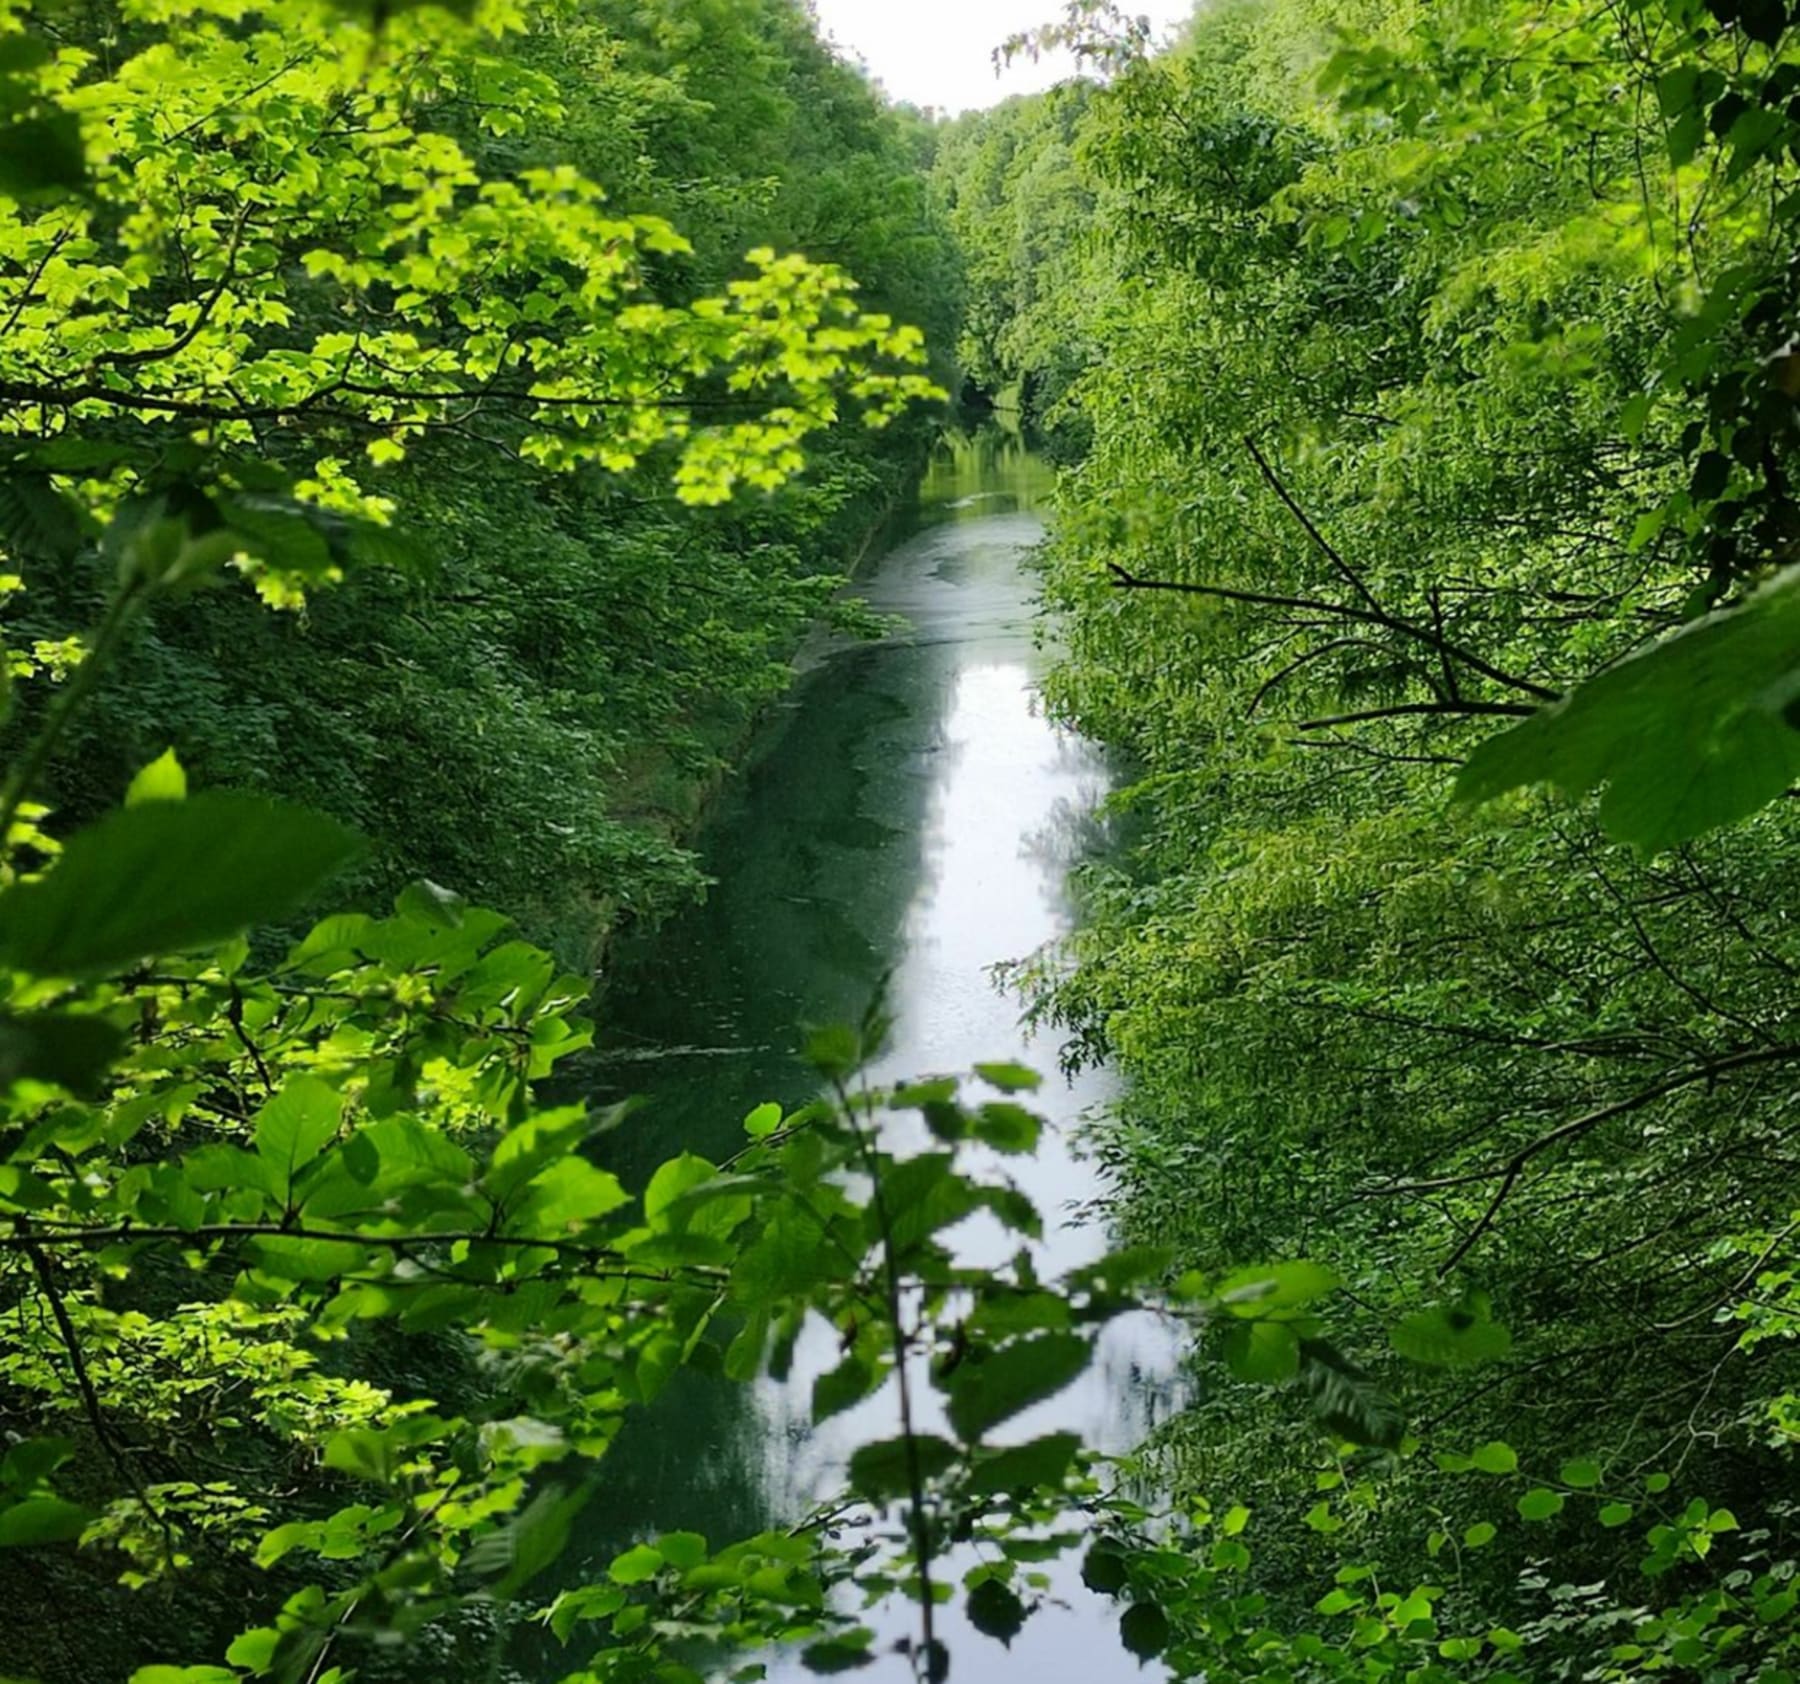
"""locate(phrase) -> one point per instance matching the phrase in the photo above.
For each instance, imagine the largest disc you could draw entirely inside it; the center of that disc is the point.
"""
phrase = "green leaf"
(1144, 1630)
(835, 1655)
(536, 1537)
(763, 1121)
(1581, 1473)
(836, 1390)
(921, 1196)
(636, 1566)
(744, 1355)
(168, 876)
(296, 1125)
(22, 53)
(365, 1453)
(36, 520)
(1481, 1534)
(1118, 1272)
(72, 1051)
(1675, 89)
(1451, 1336)
(184, 1675)
(568, 1195)
(834, 1051)
(985, 1392)
(882, 1470)
(1695, 732)
(1104, 1569)
(1273, 1287)
(1495, 1458)
(547, 1138)
(162, 780)
(33, 1460)
(671, 1180)
(1007, 1127)
(995, 1610)
(1021, 1312)
(255, 1650)
(292, 1259)
(1010, 1078)
(590, 1602)
(1323, 1518)
(279, 534)
(1265, 1352)
(1540, 1504)
(684, 1551)
(1043, 1462)
(1762, 20)
(1346, 1401)
(42, 1520)
(1616, 1514)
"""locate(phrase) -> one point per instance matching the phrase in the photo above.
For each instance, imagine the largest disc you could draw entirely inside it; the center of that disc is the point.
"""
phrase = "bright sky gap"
(939, 53)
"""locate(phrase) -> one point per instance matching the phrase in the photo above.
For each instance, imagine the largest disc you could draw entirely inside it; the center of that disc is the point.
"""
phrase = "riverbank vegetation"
(1432, 359)
(426, 434)
(524, 690)
(403, 419)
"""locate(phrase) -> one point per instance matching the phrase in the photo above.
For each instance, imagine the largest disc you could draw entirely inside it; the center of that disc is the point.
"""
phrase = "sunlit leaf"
(163, 779)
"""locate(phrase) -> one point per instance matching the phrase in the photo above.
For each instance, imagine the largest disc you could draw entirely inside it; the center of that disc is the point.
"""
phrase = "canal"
(913, 815)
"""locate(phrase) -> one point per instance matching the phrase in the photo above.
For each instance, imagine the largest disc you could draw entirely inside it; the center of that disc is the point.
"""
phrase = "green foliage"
(1013, 195)
(1410, 390)
(168, 876)
(1436, 432)
(444, 364)
(1696, 732)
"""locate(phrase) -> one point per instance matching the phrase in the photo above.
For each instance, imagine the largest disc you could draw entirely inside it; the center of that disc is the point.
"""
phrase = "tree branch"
(156, 353)
(1509, 1171)
(1345, 571)
(1507, 710)
(90, 1396)
(1124, 580)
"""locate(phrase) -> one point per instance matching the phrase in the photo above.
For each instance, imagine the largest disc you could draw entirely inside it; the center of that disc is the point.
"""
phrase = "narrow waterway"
(912, 814)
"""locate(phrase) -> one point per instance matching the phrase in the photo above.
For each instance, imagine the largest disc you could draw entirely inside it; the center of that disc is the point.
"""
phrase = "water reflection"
(990, 471)
(913, 811)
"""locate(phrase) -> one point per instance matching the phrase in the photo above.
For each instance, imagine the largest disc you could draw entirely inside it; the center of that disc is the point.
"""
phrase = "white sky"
(936, 52)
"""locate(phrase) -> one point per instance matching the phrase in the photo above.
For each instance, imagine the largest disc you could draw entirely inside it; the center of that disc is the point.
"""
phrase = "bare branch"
(1124, 580)
(1507, 710)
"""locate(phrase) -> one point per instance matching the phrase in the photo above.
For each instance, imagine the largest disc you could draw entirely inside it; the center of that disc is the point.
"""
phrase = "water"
(912, 812)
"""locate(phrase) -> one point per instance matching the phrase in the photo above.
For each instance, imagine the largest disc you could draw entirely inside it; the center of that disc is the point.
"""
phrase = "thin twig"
(90, 1396)
(1344, 570)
